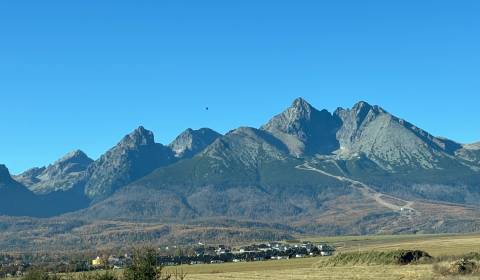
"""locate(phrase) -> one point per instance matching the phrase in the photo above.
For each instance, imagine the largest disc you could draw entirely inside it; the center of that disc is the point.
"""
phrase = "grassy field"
(435, 245)
(315, 268)
(440, 246)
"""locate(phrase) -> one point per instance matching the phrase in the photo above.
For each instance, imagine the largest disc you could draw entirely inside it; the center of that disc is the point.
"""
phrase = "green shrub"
(399, 257)
(145, 267)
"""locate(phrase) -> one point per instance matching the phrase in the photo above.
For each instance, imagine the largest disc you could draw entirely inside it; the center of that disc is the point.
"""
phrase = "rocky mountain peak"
(360, 113)
(192, 141)
(64, 174)
(301, 105)
(138, 137)
(304, 129)
(134, 156)
(361, 105)
(75, 156)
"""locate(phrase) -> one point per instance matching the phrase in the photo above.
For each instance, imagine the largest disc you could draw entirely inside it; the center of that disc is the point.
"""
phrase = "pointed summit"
(304, 129)
(361, 105)
(133, 157)
(301, 104)
(138, 137)
(191, 142)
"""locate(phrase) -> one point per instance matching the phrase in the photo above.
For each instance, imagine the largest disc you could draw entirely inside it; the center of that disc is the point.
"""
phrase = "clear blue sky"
(81, 74)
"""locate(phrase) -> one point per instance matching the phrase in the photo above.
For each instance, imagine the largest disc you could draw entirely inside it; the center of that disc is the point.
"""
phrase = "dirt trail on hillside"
(367, 191)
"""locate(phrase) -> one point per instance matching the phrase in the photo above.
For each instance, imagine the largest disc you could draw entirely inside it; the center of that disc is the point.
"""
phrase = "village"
(16, 266)
(204, 254)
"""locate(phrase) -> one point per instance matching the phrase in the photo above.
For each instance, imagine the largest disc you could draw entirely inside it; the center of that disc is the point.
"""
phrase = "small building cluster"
(112, 261)
(255, 252)
(203, 254)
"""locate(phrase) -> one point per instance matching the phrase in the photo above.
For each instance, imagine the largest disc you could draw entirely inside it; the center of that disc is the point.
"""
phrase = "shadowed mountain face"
(350, 171)
(16, 199)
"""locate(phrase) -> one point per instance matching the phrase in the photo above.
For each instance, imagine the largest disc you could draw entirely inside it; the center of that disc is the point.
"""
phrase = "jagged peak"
(203, 130)
(191, 141)
(361, 109)
(301, 103)
(361, 105)
(300, 110)
(140, 136)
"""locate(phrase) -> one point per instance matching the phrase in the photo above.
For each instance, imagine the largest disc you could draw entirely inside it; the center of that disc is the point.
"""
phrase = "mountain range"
(306, 171)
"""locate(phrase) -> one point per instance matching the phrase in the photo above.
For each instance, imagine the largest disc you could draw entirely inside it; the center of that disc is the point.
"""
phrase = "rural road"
(366, 191)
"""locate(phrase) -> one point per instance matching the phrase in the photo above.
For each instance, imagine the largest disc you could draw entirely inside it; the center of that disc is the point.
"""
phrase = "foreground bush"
(145, 267)
(459, 267)
(399, 257)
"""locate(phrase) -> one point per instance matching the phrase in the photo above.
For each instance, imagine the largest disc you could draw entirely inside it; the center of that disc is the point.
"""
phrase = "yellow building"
(97, 262)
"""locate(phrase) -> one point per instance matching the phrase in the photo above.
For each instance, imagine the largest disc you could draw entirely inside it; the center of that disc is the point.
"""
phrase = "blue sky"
(81, 74)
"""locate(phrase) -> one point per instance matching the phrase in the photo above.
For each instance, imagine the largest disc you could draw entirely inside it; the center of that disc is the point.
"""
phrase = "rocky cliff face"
(134, 156)
(191, 142)
(66, 173)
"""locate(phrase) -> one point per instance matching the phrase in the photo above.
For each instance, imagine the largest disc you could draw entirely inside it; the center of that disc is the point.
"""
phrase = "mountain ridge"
(310, 170)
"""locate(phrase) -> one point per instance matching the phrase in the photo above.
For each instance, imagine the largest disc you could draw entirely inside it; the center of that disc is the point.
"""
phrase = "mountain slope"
(246, 174)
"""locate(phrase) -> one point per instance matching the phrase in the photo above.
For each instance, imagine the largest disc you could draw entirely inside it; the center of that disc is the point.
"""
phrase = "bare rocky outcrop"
(64, 174)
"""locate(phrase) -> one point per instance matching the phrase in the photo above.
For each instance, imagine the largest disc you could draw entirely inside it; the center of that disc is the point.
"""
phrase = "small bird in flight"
(206, 108)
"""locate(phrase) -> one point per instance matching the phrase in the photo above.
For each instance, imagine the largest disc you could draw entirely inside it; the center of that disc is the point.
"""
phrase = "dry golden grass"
(314, 268)
(435, 245)
(324, 273)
